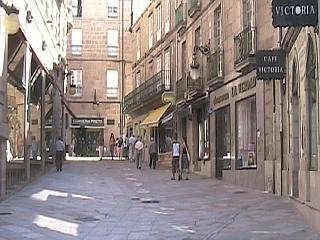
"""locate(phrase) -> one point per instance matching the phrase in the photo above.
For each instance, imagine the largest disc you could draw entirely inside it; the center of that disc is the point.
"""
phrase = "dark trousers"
(153, 160)
(59, 159)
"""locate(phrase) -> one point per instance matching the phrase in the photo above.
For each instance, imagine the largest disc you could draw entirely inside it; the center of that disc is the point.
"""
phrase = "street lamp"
(194, 66)
(11, 20)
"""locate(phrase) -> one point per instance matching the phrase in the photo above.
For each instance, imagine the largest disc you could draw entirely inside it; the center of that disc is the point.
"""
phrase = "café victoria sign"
(294, 13)
(271, 64)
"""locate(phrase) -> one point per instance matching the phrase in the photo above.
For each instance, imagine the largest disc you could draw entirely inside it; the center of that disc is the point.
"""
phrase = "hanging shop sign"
(271, 64)
(294, 13)
(168, 97)
(87, 122)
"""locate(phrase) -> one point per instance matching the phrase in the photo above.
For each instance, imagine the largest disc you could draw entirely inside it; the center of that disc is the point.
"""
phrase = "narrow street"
(114, 200)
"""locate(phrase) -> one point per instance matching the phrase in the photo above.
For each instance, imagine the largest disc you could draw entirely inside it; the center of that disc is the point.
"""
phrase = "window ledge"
(247, 168)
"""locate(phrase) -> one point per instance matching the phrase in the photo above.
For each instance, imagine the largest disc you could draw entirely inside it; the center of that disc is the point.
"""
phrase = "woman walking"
(112, 143)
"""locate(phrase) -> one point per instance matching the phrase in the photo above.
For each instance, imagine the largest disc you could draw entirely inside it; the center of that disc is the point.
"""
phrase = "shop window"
(203, 133)
(246, 137)
(166, 137)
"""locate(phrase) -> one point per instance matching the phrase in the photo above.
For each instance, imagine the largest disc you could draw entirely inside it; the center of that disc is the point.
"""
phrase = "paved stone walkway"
(113, 200)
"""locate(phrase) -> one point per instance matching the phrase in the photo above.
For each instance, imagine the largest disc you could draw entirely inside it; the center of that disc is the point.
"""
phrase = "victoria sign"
(294, 13)
(271, 64)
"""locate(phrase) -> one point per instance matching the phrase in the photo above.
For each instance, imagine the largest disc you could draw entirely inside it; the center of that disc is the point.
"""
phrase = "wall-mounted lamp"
(194, 66)
(11, 20)
(29, 17)
(44, 45)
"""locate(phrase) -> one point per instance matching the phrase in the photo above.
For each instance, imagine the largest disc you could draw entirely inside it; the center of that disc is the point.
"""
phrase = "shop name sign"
(89, 122)
(271, 64)
(294, 13)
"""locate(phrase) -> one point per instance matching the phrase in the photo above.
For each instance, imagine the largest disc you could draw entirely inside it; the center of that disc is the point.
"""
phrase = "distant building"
(98, 54)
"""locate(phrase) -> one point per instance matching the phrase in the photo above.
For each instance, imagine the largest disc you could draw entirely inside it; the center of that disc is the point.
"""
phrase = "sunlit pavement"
(114, 200)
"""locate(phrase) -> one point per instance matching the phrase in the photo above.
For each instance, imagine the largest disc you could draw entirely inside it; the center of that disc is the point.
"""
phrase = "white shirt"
(176, 150)
(132, 140)
(139, 145)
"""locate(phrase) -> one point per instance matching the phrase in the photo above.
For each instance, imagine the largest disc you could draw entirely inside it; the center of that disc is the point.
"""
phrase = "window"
(159, 22)
(217, 29)
(112, 84)
(76, 8)
(77, 80)
(246, 137)
(166, 136)
(76, 41)
(166, 16)
(138, 44)
(312, 109)
(113, 8)
(138, 79)
(247, 6)
(203, 133)
(159, 64)
(113, 44)
(150, 26)
(167, 64)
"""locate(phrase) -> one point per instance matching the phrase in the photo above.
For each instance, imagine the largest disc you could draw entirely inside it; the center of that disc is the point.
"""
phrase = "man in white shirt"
(139, 152)
(175, 158)
(132, 141)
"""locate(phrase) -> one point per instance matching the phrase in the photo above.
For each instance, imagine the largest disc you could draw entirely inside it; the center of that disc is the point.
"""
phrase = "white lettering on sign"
(295, 10)
(271, 69)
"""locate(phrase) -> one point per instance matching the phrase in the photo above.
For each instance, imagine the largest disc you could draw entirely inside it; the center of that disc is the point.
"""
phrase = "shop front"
(153, 128)
(87, 136)
(238, 132)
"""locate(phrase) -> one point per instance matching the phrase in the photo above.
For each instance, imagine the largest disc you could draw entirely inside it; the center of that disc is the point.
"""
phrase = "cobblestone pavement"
(114, 200)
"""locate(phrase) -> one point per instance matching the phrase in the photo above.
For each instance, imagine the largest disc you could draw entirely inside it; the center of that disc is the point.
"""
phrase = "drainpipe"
(43, 122)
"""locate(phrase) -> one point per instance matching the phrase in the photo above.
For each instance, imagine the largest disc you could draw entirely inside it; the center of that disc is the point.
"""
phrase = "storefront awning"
(154, 116)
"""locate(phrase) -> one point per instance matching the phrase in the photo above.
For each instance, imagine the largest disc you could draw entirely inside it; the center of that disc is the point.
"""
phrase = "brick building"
(98, 56)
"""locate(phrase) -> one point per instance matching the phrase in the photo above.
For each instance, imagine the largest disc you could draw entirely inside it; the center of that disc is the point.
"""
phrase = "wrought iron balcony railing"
(148, 90)
(193, 7)
(181, 16)
(181, 88)
(215, 65)
(245, 45)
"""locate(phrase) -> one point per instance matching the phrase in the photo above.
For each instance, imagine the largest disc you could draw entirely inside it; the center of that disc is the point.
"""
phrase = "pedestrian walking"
(60, 153)
(101, 146)
(119, 148)
(139, 152)
(185, 160)
(112, 143)
(132, 141)
(34, 148)
(175, 159)
(153, 153)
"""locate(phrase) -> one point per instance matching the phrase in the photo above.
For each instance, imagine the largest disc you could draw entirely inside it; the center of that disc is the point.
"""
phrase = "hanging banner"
(294, 13)
(271, 64)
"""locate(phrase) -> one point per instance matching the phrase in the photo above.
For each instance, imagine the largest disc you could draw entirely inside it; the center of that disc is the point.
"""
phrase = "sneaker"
(180, 177)
(187, 178)
(173, 178)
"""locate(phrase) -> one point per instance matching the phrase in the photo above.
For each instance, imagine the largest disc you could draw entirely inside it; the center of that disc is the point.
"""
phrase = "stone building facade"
(98, 54)
(32, 60)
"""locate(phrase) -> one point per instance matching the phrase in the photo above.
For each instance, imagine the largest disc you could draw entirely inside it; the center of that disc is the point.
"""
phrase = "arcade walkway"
(113, 200)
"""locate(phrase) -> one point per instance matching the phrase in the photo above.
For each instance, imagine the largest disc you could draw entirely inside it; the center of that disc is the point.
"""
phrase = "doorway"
(87, 141)
(223, 141)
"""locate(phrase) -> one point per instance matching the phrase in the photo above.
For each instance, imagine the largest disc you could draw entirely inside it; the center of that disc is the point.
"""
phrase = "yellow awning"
(154, 116)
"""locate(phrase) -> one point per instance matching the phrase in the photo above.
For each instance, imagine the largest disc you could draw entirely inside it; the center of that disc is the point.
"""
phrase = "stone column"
(26, 81)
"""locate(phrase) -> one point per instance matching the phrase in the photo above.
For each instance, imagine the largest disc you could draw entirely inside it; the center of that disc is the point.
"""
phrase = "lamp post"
(194, 66)
(11, 21)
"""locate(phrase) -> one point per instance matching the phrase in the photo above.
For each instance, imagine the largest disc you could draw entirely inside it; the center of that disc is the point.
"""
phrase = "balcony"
(193, 7)
(244, 50)
(181, 18)
(181, 89)
(215, 69)
(148, 91)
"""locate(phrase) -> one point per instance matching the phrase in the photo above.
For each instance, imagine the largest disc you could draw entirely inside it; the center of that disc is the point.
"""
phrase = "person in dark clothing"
(60, 153)
(185, 160)
(153, 153)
